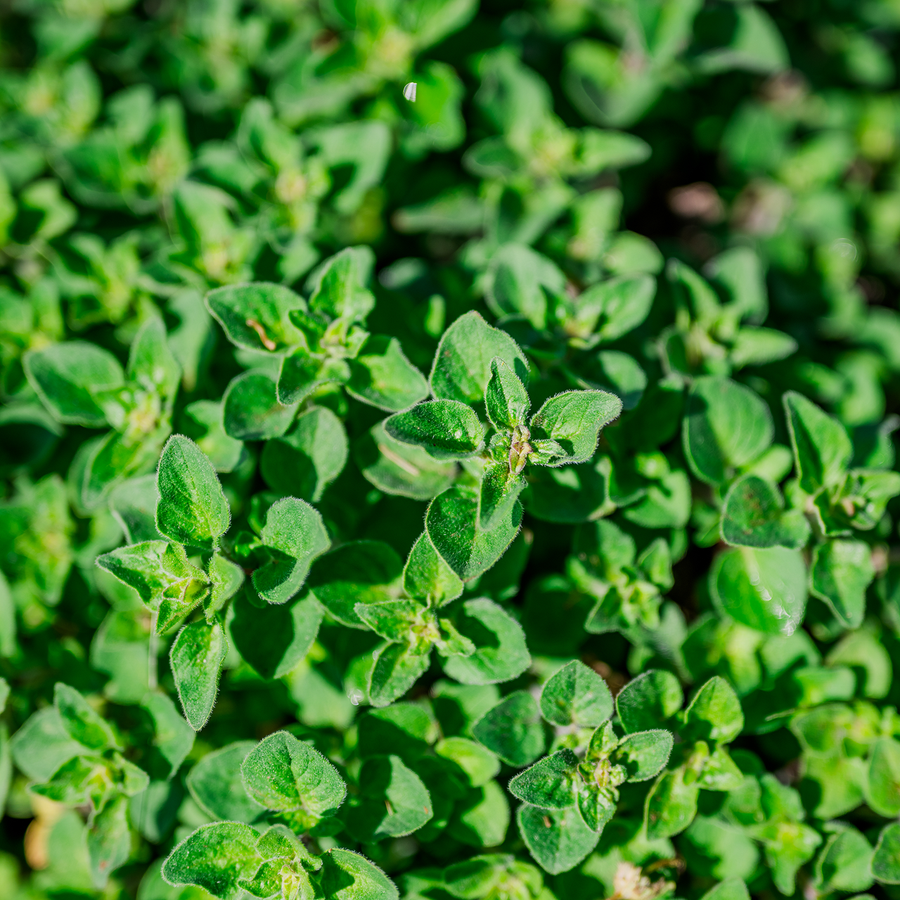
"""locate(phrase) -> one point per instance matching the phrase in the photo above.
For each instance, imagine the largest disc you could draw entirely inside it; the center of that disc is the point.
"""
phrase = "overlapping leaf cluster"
(492, 496)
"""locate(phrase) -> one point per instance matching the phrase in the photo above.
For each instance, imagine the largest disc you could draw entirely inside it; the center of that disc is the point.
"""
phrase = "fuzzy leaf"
(549, 783)
(192, 508)
(643, 754)
(505, 397)
(513, 729)
(81, 721)
(822, 449)
(753, 515)
(576, 695)
(196, 658)
(283, 773)
(558, 839)
(427, 577)
(574, 420)
(444, 428)
(255, 316)
(382, 376)
(648, 700)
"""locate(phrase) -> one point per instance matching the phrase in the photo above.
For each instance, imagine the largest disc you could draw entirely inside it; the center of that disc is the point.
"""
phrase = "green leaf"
(505, 397)
(304, 462)
(251, 409)
(576, 695)
(392, 800)
(395, 669)
(192, 508)
(402, 469)
(81, 721)
(339, 290)
(462, 363)
(845, 863)
(42, 745)
(173, 738)
(730, 889)
(217, 787)
(382, 376)
(840, 573)
(501, 653)
(255, 316)
(549, 783)
(355, 572)
(284, 774)
(205, 426)
(226, 578)
(610, 309)
(650, 699)
(596, 805)
(516, 280)
(883, 778)
(574, 420)
(272, 640)
(196, 658)
(886, 861)
(68, 377)
(294, 536)
(500, 489)
(513, 729)
(726, 426)
(348, 876)
(109, 840)
(764, 589)
(151, 364)
(215, 857)
(427, 577)
(477, 762)
(452, 526)
(753, 516)
(715, 713)
(446, 429)
(822, 449)
(558, 839)
(643, 754)
(671, 805)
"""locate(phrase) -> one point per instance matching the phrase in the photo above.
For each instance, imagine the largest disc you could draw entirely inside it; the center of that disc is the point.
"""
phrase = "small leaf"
(840, 573)
(763, 589)
(283, 773)
(549, 783)
(295, 535)
(715, 713)
(251, 408)
(67, 377)
(845, 863)
(81, 721)
(574, 420)
(348, 876)
(596, 805)
(648, 700)
(462, 363)
(452, 526)
(215, 857)
(753, 516)
(886, 861)
(192, 508)
(478, 763)
(643, 754)
(501, 653)
(513, 729)
(304, 462)
(427, 577)
(255, 316)
(726, 426)
(883, 778)
(196, 658)
(500, 489)
(557, 839)
(576, 695)
(612, 308)
(444, 428)
(395, 669)
(109, 840)
(392, 802)
(217, 787)
(382, 376)
(671, 805)
(505, 397)
(822, 449)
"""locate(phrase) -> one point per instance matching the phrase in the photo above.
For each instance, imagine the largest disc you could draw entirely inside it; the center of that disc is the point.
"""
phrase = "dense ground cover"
(487, 496)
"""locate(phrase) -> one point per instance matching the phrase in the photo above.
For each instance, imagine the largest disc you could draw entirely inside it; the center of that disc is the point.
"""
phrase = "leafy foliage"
(417, 482)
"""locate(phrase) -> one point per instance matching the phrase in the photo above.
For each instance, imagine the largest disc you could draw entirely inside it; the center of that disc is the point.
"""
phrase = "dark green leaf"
(444, 428)
(576, 695)
(196, 658)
